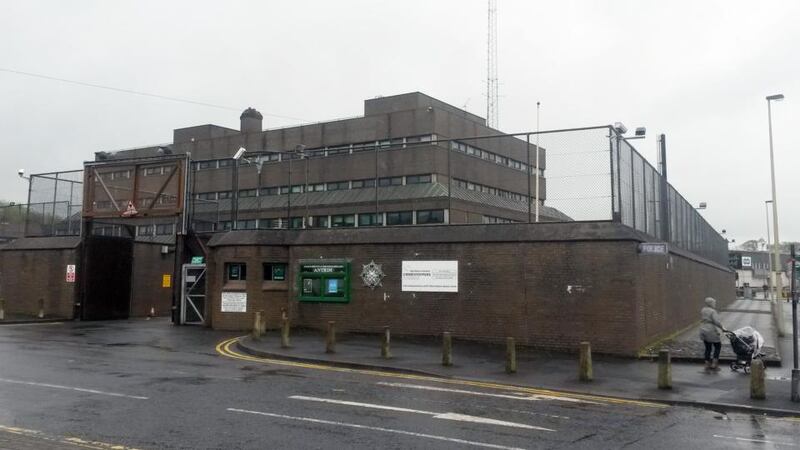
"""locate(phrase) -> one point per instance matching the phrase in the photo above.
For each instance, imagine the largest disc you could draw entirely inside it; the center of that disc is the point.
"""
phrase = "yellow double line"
(224, 349)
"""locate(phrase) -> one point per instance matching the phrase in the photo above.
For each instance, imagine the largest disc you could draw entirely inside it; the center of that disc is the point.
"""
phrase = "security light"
(641, 131)
(776, 97)
(702, 205)
(239, 153)
(21, 173)
(621, 129)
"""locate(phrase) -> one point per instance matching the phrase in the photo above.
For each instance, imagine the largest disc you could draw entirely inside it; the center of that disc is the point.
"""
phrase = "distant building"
(752, 272)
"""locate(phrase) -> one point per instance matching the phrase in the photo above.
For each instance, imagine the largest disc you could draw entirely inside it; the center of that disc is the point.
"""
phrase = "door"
(193, 294)
(107, 265)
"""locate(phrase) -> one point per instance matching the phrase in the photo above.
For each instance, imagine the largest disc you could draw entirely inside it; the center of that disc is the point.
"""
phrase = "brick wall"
(149, 265)
(549, 293)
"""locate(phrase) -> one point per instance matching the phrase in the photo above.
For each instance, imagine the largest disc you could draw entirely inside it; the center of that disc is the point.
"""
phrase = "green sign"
(324, 281)
(278, 272)
(197, 260)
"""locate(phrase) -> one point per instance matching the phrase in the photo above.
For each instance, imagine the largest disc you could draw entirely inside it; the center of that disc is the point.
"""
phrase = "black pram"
(746, 343)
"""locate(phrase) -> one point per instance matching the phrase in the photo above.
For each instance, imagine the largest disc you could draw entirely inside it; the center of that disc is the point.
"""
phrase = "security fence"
(54, 204)
(585, 174)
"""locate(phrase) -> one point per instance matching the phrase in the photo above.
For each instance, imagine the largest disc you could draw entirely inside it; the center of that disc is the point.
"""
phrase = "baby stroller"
(746, 343)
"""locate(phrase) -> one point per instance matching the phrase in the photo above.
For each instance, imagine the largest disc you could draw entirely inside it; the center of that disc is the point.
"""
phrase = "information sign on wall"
(324, 281)
(234, 302)
(747, 261)
(430, 276)
(70, 273)
(166, 280)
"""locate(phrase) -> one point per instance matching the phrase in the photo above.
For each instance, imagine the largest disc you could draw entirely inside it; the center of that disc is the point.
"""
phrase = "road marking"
(224, 349)
(436, 415)
(759, 441)
(77, 442)
(385, 430)
(70, 388)
(534, 397)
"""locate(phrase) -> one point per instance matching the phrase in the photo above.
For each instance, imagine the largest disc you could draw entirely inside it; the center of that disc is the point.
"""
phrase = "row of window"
(269, 271)
(142, 202)
(320, 187)
(494, 219)
(492, 157)
(161, 229)
(126, 174)
(489, 190)
(326, 151)
(419, 217)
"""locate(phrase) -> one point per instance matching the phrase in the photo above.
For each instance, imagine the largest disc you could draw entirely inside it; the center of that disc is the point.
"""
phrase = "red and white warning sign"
(70, 273)
(130, 211)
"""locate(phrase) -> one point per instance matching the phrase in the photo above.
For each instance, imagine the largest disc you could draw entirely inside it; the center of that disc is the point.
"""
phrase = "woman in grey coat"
(709, 333)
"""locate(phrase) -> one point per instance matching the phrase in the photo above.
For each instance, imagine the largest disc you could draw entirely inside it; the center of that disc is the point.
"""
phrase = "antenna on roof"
(492, 105)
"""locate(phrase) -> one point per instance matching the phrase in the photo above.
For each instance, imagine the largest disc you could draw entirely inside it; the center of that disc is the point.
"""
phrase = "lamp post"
(776, 264)
(771, 273)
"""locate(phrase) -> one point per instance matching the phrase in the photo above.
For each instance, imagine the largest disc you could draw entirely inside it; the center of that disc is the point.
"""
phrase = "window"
(363, 146)
(225, 225)
(223, 194)
(248, 193)
(269, 191)
(249, 224)
(319, 187)
(399, 218)
(284, 189)
(343, 220)
(430, 216)
(207, 196)
(319, 222)
(368, 183)
(268, 223)
(165, 229)
(418, 179)
(297, 222)
(235, 271)
(203, 227)
(274, 271)
(324, 281)
(338, 186)
(152, 171)
(369, 220)
(144, 230)
(297, 189)
(204, 165)
(390, 181)
(338, 150)
(225, 163)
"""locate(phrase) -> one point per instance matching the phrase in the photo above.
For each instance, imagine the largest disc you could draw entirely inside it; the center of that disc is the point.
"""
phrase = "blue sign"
(333, 285)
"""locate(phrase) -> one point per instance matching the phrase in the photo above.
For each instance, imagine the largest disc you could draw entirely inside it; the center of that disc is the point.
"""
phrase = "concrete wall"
(35, 268)
(548, 285)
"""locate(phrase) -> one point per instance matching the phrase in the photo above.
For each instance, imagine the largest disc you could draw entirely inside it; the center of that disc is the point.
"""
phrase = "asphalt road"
(149, 385)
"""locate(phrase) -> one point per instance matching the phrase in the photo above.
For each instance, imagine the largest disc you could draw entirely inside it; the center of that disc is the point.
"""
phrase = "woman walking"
(709, 333)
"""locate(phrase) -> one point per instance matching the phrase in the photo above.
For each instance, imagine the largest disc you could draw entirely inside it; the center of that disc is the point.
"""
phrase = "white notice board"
(234, 302)
(430, 276)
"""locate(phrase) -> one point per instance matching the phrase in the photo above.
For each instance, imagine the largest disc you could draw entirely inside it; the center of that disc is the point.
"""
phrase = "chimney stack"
(250, 121)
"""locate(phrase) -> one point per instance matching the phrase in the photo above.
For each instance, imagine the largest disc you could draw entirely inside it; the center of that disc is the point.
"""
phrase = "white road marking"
(436, 415)
(759, 441)
(534, 397)
(385, 430)
(70, 388)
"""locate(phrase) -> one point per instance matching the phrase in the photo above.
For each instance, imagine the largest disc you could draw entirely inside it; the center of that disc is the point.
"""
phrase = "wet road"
(148, 385)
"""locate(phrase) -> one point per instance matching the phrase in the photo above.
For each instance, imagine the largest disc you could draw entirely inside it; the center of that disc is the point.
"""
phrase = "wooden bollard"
(2, 309)
(386, 340)
(447, 349)
(285, 333)
(758, 387)
(257, 325)
(41, 308)
(585, 362)
(664, 369)
(511, 355)
(330, 338)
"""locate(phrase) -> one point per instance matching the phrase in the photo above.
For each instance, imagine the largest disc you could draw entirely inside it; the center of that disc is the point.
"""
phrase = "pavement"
(613, 376)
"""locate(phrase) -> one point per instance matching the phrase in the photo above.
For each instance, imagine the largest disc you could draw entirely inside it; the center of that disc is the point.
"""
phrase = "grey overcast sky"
(697, 71)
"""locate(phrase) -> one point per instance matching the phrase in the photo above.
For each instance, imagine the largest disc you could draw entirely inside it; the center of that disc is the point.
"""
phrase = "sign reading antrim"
(430, 276)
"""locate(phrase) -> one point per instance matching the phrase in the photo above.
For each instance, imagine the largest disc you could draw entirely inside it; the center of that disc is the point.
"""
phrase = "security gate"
(193, 294)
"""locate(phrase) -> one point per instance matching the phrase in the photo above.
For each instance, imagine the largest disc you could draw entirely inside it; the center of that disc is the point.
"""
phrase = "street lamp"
(776, 248)
(771, 273)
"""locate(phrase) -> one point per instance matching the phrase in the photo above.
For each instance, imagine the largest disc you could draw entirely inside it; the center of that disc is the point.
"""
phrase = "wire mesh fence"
(54, 204)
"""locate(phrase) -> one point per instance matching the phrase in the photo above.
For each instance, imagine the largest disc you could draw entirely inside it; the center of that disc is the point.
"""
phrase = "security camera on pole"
(778, 305)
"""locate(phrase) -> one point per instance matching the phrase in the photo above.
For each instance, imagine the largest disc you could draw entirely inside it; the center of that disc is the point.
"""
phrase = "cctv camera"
(21, 172)
(621, 129)
(239, 153)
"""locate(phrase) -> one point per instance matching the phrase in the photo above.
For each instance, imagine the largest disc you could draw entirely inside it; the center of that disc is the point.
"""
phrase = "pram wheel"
(734, 367)
(747, 369)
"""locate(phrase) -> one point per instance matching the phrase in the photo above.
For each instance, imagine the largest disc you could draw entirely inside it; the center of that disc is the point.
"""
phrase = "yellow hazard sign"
(166, 280)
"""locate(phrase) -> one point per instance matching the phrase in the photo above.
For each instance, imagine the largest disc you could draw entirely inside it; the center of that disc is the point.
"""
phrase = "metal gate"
(107, 265)
(193, 294)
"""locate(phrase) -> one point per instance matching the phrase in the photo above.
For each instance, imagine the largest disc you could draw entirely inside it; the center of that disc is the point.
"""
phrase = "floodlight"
(239, 153)
(641, 131)
(776, 97)
(702, 205)
(21, 172)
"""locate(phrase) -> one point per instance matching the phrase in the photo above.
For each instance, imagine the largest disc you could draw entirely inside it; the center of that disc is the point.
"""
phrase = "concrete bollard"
(285, 333)
(330, 338)
(511, 355)
(585, 363)
(257, 325)
(386, 351)
(664, 369)
(41, 308)
(263, 323)
(2, 309)
(447, 349)
(758, 387)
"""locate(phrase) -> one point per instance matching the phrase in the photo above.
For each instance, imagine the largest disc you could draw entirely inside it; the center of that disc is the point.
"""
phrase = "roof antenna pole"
(492, 91)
